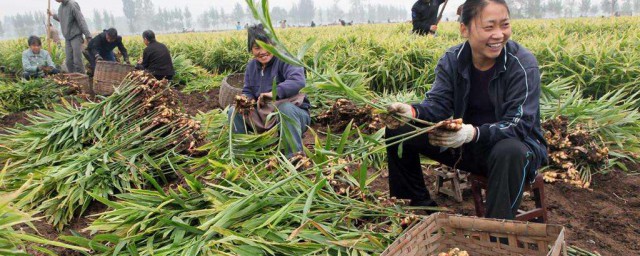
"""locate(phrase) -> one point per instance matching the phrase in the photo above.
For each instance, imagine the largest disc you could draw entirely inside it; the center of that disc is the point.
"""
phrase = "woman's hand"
(264, 98)
(452, 139)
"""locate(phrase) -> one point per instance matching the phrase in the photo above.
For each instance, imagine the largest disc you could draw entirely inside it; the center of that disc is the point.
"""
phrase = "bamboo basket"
(109, 74)
(230, 88)
(441, 232)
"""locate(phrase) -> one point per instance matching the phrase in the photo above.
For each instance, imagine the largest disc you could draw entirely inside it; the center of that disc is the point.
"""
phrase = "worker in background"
(36, 62)
(101, 47)
(424, 16)
(73, 27)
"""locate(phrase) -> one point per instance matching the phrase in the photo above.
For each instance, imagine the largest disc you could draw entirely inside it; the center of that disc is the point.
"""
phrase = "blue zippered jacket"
(514, 91)
(289, 79)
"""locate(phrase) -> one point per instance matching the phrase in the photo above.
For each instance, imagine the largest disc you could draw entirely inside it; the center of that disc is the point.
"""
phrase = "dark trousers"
(160, 77)
(506, 165)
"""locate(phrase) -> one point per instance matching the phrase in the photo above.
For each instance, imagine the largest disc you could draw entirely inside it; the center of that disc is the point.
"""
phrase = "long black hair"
(471, 9)
(256, 32)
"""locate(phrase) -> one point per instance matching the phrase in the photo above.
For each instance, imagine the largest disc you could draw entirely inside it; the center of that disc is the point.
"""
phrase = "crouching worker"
(37, 62)
(156, 58)
(262, 71)
(493, 84)
(101, 48)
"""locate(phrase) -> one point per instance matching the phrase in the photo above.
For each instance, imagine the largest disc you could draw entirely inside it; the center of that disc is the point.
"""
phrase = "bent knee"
(287, 108)
(509, 148)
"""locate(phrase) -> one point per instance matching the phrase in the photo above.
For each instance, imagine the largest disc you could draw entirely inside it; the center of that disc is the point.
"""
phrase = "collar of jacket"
(65, 2)
(465, 60)
(269, 64)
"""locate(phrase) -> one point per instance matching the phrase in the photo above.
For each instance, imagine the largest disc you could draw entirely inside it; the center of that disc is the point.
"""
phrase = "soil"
(12, 119)
(47, 231)
(199, 102)
(605, 219)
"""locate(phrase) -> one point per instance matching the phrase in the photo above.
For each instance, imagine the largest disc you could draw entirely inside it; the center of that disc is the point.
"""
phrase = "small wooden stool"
(538, 214)
(446, 174)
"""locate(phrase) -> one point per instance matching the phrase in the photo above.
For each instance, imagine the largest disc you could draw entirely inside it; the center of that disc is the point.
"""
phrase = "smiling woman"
(487, 33)
(493, 84)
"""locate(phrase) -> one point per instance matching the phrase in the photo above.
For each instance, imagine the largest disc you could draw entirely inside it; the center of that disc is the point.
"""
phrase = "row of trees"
(572, 8)
(305, 11)
(25, 24)
(102, 20)
(33, 23)
(142, 14)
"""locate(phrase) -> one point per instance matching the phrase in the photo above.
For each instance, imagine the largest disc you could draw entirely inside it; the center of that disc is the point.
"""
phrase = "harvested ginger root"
(454, 252)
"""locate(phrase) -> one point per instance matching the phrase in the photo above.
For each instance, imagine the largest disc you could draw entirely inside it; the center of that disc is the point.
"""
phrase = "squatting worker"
(493, 84)
(73, 27)
(424, 16)
(156, 58)
(261, 72)
(36, 62)
(101, 47)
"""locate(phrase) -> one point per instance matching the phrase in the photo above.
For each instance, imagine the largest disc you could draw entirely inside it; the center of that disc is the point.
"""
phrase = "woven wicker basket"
(109, 74)
(231, 86)
(80, 79)
(478, 236)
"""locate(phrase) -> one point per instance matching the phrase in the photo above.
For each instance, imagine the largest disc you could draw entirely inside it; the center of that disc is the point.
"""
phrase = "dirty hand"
(401, 109)
(452, 139)
(264, 98)
(405, 111)
(45, 69)
(433, 28)
(50, 12)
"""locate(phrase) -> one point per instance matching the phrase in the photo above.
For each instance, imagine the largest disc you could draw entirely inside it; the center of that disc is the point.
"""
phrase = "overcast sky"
(11, 7)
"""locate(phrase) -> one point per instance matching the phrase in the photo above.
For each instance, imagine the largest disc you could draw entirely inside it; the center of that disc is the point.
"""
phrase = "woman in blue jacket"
(261, 72)
(493, 84)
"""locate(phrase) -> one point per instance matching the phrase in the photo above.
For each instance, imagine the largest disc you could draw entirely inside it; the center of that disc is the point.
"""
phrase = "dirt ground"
(605, 220)
(12, 119)
(199, 102)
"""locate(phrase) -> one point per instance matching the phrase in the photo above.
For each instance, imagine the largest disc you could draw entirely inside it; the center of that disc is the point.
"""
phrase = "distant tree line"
(143, 14)
(572, 8)
(24, 24)
(304, 11)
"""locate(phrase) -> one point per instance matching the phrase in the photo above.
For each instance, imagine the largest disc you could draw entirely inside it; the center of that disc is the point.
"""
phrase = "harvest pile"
(74, 153)
(454, 252)
(570, 150)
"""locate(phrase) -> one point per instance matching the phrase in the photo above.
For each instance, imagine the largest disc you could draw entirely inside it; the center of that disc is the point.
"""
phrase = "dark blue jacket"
(514, 92)
(424, 13)
(99, 45)
(258, 79)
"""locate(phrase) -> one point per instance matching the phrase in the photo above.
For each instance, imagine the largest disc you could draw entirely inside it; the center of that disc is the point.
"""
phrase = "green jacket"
(31, 61)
